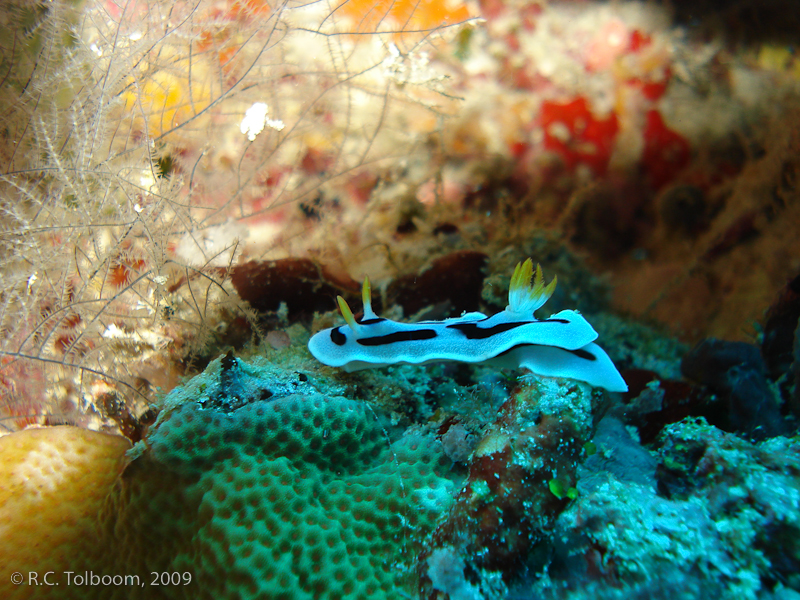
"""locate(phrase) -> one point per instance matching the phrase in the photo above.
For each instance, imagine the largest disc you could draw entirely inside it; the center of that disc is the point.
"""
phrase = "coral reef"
(521, 476)
(700, 517)
(254, 484)
(186, 186)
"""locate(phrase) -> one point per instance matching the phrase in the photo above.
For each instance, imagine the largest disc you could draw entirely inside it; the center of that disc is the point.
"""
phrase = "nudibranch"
(559, 346)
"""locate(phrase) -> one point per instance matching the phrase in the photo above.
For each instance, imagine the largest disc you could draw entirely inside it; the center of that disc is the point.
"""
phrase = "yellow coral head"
(524, 298)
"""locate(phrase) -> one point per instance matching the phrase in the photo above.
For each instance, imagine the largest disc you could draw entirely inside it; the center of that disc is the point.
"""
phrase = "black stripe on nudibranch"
(400, 336)
(371, 321)
(471, 331)
(584, 354)
(580, 352)
(337, 337)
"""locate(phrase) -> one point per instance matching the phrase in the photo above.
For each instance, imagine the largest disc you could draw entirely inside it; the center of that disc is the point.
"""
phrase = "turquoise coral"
(300, 496)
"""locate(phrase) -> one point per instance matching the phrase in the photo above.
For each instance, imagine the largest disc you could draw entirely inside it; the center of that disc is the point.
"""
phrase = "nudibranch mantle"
(559, 346)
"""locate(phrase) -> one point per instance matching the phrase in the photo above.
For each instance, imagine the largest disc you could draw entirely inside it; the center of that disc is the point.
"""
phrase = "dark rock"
(737, 371)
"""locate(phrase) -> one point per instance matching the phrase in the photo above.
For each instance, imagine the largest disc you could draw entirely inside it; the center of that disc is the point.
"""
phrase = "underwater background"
(187, 186)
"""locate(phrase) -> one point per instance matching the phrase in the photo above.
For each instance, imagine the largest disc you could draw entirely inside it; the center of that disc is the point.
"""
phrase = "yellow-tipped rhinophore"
(347, 313)
(366, 299)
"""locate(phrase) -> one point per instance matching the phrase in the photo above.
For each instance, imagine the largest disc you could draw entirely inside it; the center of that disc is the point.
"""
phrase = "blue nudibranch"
(559, 346)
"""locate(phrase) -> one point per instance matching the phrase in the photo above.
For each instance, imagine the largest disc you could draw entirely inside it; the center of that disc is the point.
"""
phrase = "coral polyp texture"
(55, 481)
(255, 488)
(305, 493)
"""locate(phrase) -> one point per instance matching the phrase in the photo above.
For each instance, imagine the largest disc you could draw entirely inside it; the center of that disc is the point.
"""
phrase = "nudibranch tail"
(524, 298)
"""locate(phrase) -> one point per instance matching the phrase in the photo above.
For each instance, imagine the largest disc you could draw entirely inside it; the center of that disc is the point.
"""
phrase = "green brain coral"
(302, 497)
